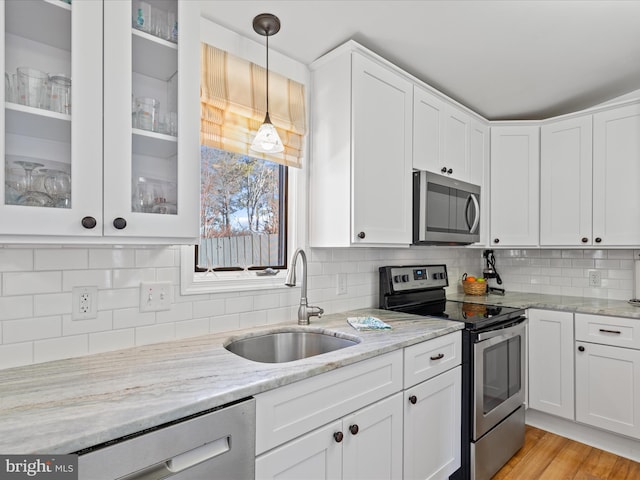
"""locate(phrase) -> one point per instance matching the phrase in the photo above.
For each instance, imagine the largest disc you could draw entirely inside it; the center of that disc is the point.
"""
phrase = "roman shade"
(233, 105)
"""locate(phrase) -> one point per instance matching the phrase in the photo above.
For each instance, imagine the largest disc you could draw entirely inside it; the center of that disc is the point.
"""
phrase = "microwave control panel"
(416, 277)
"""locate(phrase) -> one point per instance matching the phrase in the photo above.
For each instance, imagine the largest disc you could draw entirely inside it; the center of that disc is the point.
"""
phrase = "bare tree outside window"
(242, 211)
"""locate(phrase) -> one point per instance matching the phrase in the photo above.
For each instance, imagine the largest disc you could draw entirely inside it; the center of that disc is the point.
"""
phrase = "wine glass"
(31, 197)
(57, 184)
(15, 185)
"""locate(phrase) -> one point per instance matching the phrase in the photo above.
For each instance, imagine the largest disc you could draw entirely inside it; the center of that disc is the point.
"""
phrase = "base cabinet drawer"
(428, 359)
(616, 331)
(287, 412)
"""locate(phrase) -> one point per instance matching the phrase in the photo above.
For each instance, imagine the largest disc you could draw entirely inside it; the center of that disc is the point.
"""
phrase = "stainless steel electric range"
(493, 363)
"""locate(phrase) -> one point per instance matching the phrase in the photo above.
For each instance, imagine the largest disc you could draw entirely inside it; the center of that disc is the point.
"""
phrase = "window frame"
(194, 283)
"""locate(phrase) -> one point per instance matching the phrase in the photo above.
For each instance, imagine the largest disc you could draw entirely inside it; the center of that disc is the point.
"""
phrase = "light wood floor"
(547, 456)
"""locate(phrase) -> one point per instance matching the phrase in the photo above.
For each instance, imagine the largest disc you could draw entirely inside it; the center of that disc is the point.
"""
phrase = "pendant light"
(267, 139)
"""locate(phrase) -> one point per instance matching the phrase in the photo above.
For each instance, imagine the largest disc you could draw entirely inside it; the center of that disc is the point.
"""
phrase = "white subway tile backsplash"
(16, 307)
(52, 303)
(111, 258)
(111, 340)
(27, 283)
(35, 299)
(82, 278)
(16, 260)
(59, 348)
(28, 329)
(61, 259)
(155, 333)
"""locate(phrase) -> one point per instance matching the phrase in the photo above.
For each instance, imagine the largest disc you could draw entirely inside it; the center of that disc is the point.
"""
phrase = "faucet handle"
(315, 311)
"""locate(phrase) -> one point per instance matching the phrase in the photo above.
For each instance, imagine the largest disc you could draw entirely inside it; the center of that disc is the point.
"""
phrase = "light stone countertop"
(595, 306)
(67, 405)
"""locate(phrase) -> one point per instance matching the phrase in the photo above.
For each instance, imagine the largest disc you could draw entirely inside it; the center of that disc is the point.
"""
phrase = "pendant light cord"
(268, 76)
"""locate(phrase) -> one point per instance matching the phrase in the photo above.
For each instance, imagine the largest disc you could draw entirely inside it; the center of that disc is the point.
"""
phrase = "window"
(243, 194)
(242, 212)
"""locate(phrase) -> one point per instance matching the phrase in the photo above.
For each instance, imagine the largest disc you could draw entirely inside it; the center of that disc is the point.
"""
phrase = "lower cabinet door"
(314, 456)
(432, 411)
(608, 387)
(372, 446)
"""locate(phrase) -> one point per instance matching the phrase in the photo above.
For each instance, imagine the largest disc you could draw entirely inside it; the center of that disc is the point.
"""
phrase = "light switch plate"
(155, 296)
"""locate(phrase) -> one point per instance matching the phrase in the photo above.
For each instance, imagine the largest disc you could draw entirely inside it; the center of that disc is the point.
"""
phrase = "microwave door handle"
(476, 219)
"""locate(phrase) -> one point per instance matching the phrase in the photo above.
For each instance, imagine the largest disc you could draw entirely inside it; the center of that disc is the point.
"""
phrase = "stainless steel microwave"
(445, 211)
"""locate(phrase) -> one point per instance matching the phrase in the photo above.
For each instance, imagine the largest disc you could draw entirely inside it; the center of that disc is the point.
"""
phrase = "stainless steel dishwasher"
(218, 444)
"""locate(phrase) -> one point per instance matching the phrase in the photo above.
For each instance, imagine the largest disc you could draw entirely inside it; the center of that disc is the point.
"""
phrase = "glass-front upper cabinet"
(100, 131)
(52, 118)
(152, 87)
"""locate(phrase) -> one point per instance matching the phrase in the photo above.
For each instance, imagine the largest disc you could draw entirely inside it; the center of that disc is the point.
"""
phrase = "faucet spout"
(304, 310)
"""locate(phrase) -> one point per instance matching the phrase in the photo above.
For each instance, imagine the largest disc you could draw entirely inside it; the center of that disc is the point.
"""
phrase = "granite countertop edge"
(68, 405)
(593, 306)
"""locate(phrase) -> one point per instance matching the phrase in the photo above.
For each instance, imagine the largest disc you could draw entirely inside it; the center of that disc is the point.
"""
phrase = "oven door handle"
(512, 329)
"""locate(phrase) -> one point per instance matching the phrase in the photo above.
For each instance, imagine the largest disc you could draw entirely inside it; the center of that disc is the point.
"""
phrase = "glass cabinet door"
(52, 118)
(151, 152)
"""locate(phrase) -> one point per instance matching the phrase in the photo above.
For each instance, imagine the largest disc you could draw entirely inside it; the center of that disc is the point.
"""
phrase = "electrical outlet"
(84, 303)
(595, 278)
(341, 284)
(155, 296)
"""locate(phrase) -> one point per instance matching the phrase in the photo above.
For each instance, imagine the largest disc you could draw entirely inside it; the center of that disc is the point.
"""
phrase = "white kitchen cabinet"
(103, 159)
(551, 379)
(363, 445)
(616, 170)
(566, 172)
(360, 178)
(608, 375)
(446, 139)
(432, 412)
(514, 185)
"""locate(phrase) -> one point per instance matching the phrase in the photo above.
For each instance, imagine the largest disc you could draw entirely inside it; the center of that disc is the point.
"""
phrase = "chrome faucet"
(304, 310)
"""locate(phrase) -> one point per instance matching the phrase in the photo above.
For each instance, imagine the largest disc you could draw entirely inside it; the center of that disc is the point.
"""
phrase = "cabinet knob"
(581, 348)
(584, 240)
(338, 436)
(89, 222)
(496, 240)
(450, 171)
(413, 399)
(443, 170)
(598, 239)
(119, 223)
(361, 235)
(354, 429)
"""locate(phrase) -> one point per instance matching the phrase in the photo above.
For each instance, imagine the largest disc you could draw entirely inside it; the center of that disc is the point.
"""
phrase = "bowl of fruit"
(474, 285)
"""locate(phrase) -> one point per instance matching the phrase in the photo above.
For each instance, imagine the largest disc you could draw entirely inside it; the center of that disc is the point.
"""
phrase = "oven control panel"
(404, 278)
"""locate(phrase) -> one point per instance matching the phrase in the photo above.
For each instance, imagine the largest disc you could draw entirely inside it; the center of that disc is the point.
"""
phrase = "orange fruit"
(471, 279)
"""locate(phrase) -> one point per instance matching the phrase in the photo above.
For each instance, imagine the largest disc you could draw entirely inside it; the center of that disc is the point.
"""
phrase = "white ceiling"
(505, 59)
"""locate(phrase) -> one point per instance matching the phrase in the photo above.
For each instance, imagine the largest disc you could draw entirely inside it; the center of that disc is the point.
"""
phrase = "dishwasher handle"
(181, 462)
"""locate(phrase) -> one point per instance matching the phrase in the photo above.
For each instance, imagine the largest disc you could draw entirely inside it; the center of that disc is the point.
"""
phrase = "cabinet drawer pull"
(338, 436)
(604, 330)
(413, 399)
(438, 356)
(354, 429)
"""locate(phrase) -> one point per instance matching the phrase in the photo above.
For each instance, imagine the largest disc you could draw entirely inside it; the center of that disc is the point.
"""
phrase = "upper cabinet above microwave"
(447, 139)
(360, 178)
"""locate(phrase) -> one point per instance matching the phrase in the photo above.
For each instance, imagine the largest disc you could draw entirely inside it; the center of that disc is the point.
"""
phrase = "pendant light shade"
(267, 139)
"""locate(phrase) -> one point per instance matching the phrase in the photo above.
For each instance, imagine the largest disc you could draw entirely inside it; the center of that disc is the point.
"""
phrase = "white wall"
(36, 284)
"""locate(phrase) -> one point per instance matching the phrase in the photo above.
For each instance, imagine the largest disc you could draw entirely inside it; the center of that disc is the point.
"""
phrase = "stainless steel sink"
(289, 345)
